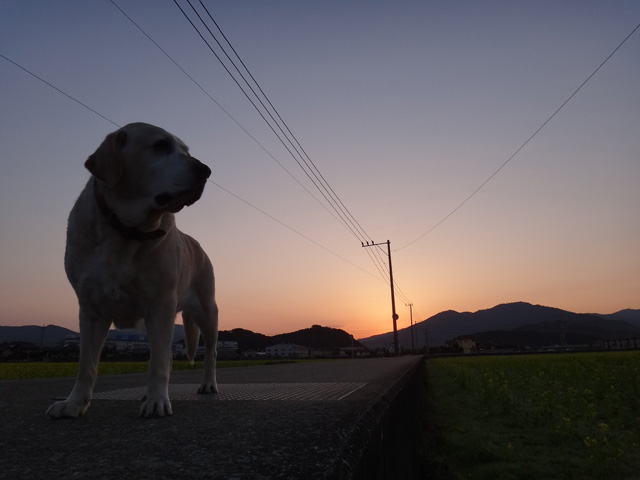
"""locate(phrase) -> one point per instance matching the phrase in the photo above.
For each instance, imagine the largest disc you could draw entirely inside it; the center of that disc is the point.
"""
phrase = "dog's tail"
(191, 336)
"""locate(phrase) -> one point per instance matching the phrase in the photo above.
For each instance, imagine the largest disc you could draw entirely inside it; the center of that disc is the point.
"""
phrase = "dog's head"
(145, 170)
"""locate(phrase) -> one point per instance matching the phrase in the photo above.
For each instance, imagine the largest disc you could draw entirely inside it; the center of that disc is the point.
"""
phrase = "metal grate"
(246, 391)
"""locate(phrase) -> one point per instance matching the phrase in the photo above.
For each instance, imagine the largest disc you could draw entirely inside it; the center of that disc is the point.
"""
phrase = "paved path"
(303, 420)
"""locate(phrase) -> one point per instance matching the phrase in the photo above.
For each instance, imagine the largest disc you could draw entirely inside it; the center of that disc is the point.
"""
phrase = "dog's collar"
(127, 232)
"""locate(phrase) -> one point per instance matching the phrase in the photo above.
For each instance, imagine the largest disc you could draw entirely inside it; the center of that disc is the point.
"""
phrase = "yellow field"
(17, 371)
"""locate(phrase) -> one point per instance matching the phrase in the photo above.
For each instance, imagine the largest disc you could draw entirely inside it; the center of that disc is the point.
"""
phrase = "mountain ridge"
(450, 324)
(436, 330)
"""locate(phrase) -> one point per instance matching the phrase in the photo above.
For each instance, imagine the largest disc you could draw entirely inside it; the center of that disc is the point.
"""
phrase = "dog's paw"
(67, 409)
(208, 387)
(155, 407)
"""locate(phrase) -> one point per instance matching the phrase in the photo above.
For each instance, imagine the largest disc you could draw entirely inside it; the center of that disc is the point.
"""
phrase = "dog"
(128, 263)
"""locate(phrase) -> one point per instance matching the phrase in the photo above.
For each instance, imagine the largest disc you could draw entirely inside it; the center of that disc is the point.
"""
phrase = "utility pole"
(426, 337)
(410, 305)
(394, 315)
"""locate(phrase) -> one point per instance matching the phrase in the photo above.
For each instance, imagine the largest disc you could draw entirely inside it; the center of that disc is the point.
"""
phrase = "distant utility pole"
(426, 336)
(410, 305)
(396, 346)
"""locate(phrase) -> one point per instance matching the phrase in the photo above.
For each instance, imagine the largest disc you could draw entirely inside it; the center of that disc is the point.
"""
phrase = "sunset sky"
(406, 108)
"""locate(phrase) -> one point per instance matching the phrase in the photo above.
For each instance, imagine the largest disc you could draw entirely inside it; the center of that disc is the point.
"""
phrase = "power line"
(288, 227)
(70, 97)
(311, 170)
(277, 123)
(376, 257)
(521, 146)
(306, 157)
(250, 99)
(57, 89)
(226, 112)
(315, 168)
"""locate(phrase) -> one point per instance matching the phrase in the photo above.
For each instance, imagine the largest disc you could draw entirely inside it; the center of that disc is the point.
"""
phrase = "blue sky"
(405, 107)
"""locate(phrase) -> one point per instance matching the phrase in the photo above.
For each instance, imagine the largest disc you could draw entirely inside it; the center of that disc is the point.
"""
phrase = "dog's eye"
(162, 146)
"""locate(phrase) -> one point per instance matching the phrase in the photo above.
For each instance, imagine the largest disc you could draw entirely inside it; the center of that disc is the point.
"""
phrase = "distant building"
(19, 351)
(622, 344)
(72, 339)
(353, 351)
(323, 353)
(466, 344)
(288, 350)
(223, 349)
(227, 350)
(129, 344)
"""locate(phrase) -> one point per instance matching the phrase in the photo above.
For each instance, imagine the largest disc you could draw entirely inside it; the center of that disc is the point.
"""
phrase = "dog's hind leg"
(208, 322)
(191, 336)
(93, 334)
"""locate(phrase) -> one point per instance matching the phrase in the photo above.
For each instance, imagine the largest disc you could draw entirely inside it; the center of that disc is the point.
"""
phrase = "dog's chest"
(121, 283)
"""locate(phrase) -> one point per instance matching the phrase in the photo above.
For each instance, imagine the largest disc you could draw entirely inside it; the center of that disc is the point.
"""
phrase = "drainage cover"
(246, 391)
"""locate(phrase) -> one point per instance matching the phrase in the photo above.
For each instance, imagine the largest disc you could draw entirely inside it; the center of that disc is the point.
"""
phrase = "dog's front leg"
(93, 334)
(156, 402)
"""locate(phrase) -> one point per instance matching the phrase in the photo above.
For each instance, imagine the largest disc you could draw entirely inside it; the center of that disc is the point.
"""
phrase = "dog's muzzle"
(174, 202)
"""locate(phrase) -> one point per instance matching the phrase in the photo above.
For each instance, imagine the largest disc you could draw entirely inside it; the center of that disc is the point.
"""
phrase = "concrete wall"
(387, 446)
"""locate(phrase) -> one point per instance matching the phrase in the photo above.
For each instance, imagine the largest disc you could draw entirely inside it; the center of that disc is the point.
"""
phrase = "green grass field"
(33, 370)
(560, 416)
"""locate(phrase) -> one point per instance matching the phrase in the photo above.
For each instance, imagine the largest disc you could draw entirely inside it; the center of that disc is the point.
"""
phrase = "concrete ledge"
(361, 435)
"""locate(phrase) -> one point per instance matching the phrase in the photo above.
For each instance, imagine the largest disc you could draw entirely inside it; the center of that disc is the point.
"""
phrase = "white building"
(129, 343)
(225, 349)
(288, 350)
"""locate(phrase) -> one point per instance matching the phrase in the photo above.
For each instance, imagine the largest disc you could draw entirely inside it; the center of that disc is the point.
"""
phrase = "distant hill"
(316, 337)
(247, 340)
(49, 336)
(628, 315)
(446, 326)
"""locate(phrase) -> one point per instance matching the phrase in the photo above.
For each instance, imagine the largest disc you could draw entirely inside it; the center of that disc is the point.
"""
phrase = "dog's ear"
(106, 163)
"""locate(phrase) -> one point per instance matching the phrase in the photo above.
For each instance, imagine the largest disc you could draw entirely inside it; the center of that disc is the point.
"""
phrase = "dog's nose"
(202, 169)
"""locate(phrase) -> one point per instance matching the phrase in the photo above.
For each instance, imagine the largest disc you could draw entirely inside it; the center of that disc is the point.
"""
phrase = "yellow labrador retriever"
(128, 263)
